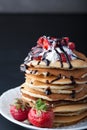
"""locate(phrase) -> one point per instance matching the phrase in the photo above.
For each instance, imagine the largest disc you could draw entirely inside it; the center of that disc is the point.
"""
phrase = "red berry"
(41, 117)
(63, 57)
(40, 41)
(66, 39)
(37, 58)
(71, 45)
(19, 114)
(19, 110)
(45, 44)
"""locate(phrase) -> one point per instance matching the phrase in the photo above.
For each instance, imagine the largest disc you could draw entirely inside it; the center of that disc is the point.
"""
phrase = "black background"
(19, 32)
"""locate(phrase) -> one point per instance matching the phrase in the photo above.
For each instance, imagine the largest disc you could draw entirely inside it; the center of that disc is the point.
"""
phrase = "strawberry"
(37, 58)
(40, 41)
(41, 115)
(66, 39)
(43, 42)
(71, 45)
(63, 57)
(19, 110)
(46, 43)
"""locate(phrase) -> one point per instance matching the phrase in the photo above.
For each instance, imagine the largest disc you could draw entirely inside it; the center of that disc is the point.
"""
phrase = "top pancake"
(76, 63)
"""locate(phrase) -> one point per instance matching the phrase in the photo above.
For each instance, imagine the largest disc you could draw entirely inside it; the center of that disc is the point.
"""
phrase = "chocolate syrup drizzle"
(48, 91)
(68, 60)
(73, 94)
(46, 60)
(59, 77)
(72, 80)
(78, 57)
(59, 58)
(35, 51)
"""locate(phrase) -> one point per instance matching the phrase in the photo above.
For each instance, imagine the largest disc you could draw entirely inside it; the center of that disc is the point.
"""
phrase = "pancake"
(55, 80)
(75, 64)
(69, 119)
(31, 100)
(70, 108)
(54, 97)
(57, 74)
(40, 85)
(76, 73)
(58, 89)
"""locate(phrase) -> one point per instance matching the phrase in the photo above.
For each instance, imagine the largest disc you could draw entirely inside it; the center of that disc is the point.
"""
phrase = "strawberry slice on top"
(43, 42)
(41, 115)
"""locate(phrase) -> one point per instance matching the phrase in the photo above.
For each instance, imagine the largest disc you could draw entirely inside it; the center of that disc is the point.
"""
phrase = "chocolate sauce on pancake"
(78, 57)
(59, 58)
(47, 74)
(44, 58)
(47, 81)
(59, 77)
(48, 91)
(73, 94)
(68, 60)
(72, 79)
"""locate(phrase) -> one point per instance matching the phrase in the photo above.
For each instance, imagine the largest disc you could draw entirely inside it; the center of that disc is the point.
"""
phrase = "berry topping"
(71, 45)
(40, 41)
(41, 115)
(63, 57)
(37, 58)
(66, 39)
(46, 44)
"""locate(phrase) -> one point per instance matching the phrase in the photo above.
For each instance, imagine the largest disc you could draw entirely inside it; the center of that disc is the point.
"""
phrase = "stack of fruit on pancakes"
(56, 73)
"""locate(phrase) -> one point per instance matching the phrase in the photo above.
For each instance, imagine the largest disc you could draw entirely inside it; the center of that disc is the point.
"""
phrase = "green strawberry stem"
(40, 105)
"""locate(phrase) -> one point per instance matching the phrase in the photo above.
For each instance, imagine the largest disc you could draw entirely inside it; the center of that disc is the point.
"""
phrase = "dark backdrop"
(19, 32)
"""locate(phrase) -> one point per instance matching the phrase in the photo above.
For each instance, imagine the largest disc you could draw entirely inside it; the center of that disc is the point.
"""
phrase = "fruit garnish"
(63, 57)
(66, 39)
(46, 43)
(19, 110)
(41, 115)
(37, 58)
(43, 42)
(71, 45)
(40, 41)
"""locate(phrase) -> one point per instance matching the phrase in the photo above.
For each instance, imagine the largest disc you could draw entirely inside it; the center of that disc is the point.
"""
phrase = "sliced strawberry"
(37, 58)
(63, 57)
(19, 110)
(46, 43)
(40, 116)
(40, 41)
(66, 39)
(71, 45)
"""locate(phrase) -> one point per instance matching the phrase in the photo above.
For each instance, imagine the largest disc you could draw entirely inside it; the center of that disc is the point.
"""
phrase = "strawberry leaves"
(40, 105)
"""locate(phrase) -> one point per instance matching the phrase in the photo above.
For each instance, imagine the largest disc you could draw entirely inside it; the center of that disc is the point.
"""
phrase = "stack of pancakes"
(63, 88)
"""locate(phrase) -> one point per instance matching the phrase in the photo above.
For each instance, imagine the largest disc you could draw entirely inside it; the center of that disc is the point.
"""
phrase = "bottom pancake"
(68, 120)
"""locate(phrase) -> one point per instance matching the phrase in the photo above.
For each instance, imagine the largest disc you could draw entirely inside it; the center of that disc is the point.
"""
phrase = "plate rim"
(26, 125)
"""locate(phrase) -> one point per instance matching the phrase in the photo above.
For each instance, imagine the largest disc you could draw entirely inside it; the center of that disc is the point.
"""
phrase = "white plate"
(8, 97)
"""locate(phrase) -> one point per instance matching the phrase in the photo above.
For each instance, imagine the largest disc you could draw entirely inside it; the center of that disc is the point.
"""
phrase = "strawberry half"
(41, 115)
(63, 57)
(19, 110)
(46, 43)
(40, 41)
(71, 45)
